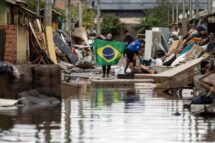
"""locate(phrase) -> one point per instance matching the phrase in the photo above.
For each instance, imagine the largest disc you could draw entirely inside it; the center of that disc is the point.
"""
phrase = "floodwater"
(107, 115)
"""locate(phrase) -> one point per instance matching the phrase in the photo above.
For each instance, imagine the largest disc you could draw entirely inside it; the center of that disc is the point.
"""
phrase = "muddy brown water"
(104, 115)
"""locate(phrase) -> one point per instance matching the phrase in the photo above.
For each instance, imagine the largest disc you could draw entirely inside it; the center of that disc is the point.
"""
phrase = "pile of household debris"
(48, 47)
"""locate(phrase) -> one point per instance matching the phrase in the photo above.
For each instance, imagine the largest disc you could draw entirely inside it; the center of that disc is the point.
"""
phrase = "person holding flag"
(108, 52)
(107, 67)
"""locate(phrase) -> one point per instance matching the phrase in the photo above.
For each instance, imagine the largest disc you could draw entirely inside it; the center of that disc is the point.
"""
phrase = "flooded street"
(106, 115)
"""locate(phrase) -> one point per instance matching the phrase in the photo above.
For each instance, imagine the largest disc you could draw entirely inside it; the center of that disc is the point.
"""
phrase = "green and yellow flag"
(108, 52)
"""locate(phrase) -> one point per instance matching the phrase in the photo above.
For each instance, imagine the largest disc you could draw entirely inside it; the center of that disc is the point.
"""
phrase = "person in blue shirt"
(131, 51)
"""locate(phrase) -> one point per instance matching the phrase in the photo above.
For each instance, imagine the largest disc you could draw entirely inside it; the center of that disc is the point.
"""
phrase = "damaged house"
(13, 31)
(20, 49)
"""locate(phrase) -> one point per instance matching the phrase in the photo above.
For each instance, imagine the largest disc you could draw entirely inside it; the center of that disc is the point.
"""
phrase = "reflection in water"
(106, 96)
(107, 115)
(31, 126)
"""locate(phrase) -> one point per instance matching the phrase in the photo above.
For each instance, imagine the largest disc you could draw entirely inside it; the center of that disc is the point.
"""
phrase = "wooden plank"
(147, 69)
(209, 78)
(41, 35)
(39, 25)
(181, 68)
(35, 36)
(7, 102)
(50, 43)
(46, 58)
(175, 77)
(194, 53)
(173, 47)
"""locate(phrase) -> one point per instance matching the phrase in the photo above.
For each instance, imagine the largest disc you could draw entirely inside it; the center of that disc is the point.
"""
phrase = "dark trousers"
(104, 68)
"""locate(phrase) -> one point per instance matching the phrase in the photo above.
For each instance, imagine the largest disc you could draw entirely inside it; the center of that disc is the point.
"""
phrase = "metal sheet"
(64, 48)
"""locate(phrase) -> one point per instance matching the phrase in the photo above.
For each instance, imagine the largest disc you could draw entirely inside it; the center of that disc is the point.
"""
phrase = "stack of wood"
(42, 49)
(48, 47)
(187, 53)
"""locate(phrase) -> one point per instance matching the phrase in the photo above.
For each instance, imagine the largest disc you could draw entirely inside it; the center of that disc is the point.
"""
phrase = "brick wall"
(10, 54)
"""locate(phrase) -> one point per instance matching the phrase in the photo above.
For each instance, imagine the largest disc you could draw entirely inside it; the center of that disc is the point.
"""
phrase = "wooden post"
(48, 13)
(177, 9)
(173, 12)
(38, 8)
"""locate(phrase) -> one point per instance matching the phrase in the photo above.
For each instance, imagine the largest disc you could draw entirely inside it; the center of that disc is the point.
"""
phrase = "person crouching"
(131, 52)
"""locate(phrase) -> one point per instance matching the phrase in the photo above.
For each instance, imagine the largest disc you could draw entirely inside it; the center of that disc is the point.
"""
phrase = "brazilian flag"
(108, 52)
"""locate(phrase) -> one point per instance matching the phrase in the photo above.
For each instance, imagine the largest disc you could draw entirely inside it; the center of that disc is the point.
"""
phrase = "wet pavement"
(105, 115)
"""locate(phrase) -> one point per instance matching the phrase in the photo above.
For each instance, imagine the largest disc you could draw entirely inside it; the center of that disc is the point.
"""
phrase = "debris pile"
(53, 47)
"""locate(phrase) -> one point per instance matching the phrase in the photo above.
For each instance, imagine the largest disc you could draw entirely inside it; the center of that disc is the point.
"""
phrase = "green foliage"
(154, 17)
(88, 15)
(31, 4)
(111, 23)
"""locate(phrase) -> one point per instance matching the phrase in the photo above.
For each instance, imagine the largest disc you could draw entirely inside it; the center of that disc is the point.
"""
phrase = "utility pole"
(197, 8)
(209, 6)
(38, 8)
(68, 16)
(173, 12)
(191, 9)
(98, 27)
(177, 9)
(184, 20)
(183, 5)
(168, 13)
(80, 13)
(48, 13)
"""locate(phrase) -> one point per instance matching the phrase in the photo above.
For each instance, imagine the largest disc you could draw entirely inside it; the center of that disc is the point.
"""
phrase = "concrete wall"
(10, 54)
(22, 45)
(16, 44)
(4, 13)
(44, 78)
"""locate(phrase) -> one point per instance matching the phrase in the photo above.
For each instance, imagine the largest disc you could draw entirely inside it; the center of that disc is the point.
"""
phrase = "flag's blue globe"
(108, 53)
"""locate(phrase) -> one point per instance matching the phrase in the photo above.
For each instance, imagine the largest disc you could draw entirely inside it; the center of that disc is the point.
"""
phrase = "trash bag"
(119, 70)
(6, 68)
(203, 99)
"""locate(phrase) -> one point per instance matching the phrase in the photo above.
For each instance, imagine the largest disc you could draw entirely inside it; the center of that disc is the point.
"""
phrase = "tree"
(111, 23)
(88, 15)
(31, 4)
(154, 17)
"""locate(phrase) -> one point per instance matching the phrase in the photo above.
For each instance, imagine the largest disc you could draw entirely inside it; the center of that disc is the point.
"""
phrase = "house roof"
(203, 14)
(16, 1)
